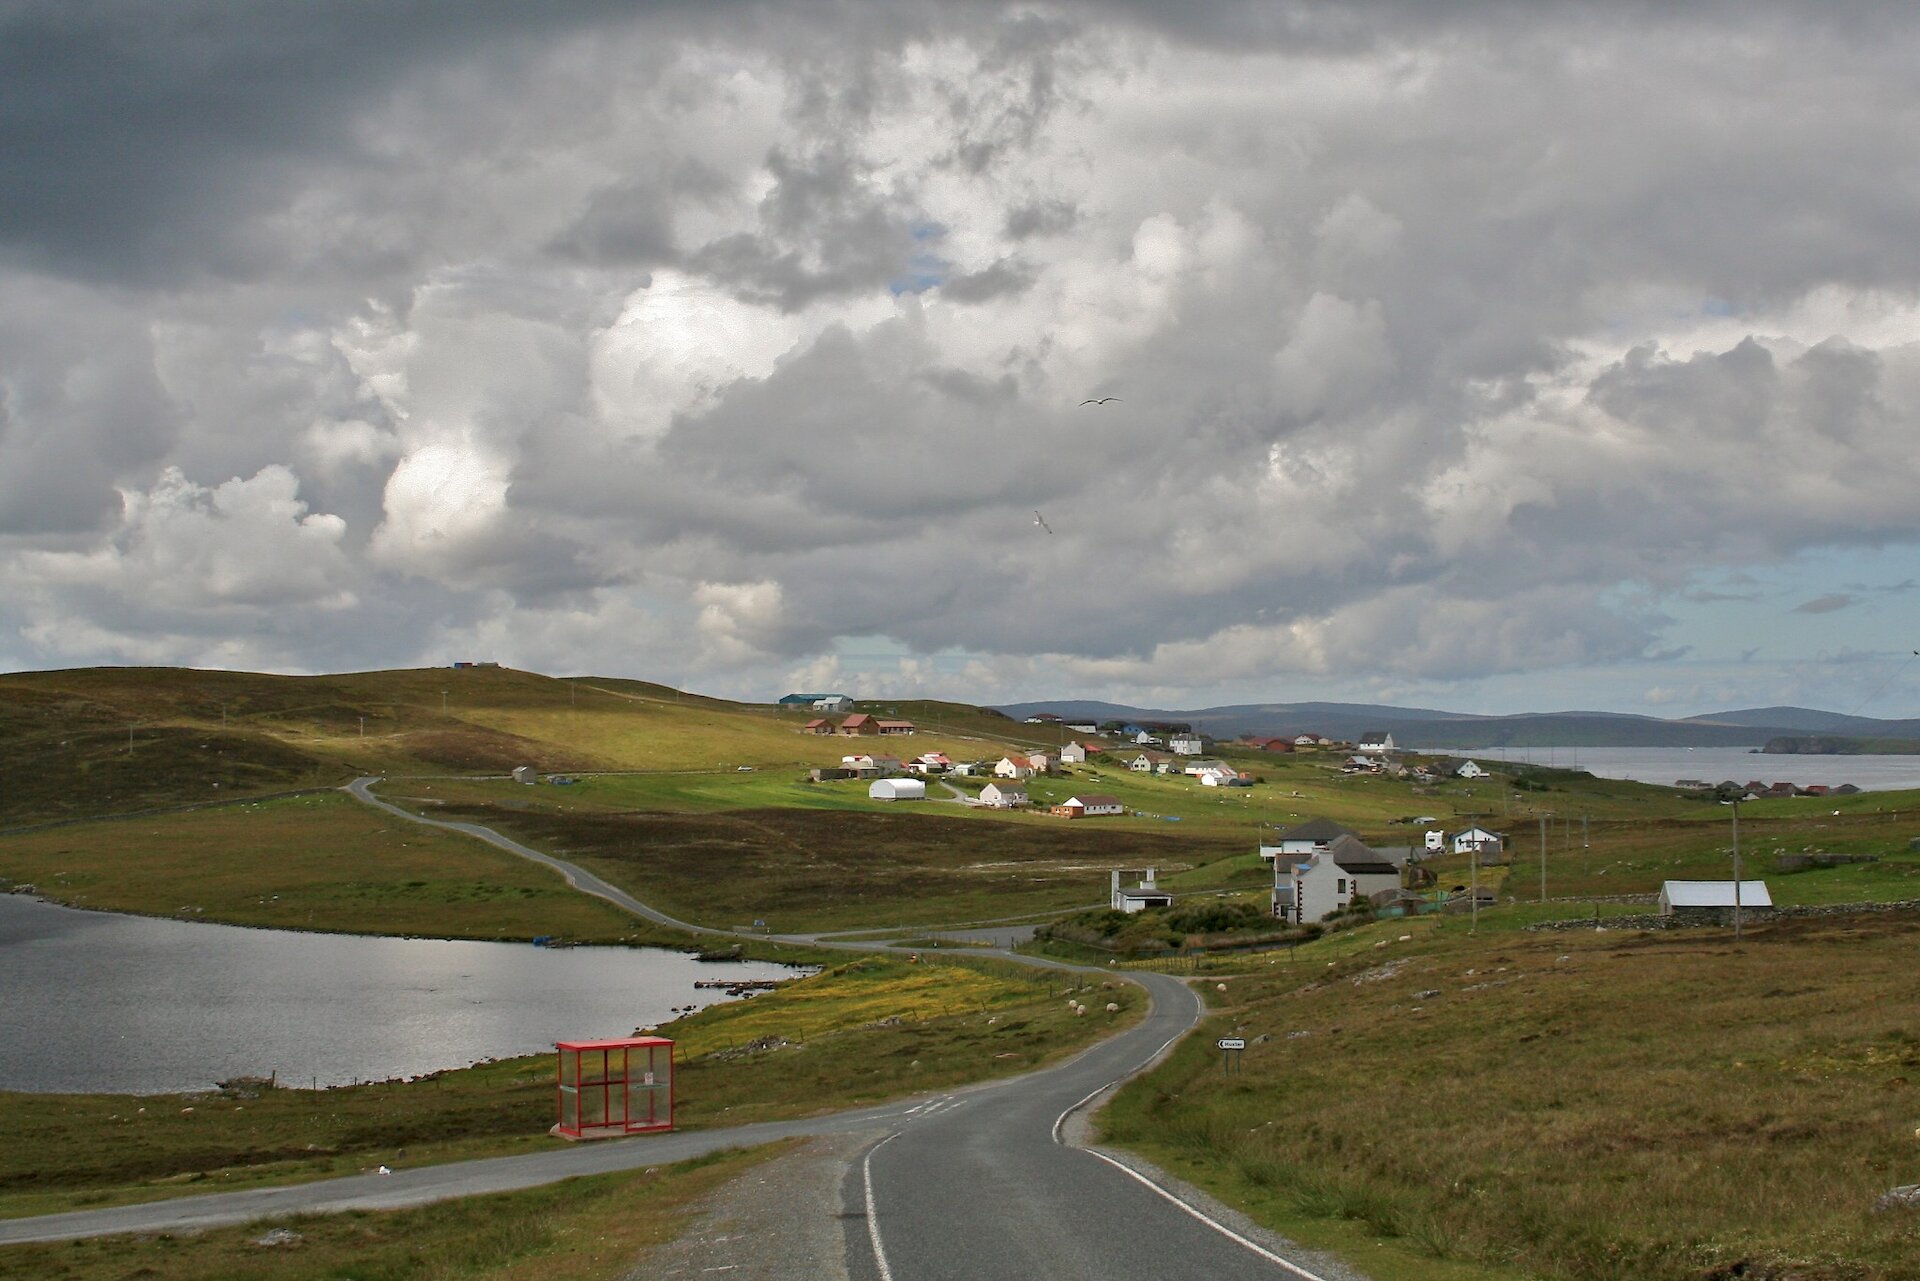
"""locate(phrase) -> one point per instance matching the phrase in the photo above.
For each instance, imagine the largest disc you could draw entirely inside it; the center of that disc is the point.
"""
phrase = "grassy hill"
(111, 740)
(1436, 1104)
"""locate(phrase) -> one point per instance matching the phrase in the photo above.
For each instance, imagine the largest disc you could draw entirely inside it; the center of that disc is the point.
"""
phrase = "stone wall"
(1722, 917)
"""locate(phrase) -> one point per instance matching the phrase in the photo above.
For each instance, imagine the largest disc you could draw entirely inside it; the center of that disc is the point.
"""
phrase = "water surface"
(96, 1002)
(1667, 765)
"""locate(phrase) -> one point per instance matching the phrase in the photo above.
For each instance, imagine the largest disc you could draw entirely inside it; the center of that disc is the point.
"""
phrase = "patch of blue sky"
(1823, 603)
(926, 269)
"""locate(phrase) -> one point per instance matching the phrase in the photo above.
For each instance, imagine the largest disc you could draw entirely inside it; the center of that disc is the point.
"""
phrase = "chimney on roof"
(1148, 884)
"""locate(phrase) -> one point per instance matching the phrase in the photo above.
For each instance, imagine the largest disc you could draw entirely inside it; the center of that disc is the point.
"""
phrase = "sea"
(1669, 765)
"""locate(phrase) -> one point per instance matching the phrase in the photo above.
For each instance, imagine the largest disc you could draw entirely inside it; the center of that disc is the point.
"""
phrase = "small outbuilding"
(1140, 897)
(1710, 898)
(897, 789)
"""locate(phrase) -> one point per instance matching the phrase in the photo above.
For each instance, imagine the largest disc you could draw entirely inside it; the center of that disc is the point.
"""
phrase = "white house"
(1375, 743)
(1683, 897)
(1003, 796)
(1041, 762)
(1225, 776)
(1073, 754)
(1186, 745)
(1150, 763)
(1018, 768)
(1090, 806)
(1476, 839)
(1141, 897)
(897, 789)
(1470, 770)
(1330, 879)
(1197, 768)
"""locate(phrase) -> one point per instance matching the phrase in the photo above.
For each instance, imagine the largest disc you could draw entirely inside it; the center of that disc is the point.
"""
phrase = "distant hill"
(1426, 727)
(114, 740)
(1802, 720)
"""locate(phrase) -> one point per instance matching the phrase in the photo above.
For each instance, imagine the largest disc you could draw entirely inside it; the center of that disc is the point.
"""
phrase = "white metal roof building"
(1683, 895)
(897, 789)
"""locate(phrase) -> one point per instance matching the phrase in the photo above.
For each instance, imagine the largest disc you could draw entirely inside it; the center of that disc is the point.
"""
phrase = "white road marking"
(873, 1215)
(1215, 1224)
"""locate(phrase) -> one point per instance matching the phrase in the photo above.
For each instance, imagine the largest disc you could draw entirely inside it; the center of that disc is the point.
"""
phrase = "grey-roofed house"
(1305, 838)
(1328, 880)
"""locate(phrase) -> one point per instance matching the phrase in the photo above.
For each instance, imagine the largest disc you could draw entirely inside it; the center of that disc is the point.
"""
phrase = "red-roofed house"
(821, 726)
(859, 723)
(1014, 767)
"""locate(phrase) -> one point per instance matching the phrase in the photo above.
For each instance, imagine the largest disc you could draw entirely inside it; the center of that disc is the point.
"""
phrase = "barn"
(897, 789)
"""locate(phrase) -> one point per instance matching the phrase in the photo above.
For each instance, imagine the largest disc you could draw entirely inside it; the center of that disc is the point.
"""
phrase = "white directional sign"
(1233, 1043)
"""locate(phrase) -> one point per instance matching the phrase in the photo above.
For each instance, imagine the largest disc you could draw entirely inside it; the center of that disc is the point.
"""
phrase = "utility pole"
(1736, 869)
(1543, 856)
(443, 702)
(363, 727)
(1473, 880)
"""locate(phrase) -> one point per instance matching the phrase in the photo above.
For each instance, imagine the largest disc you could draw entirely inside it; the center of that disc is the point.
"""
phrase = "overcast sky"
(1487, 356)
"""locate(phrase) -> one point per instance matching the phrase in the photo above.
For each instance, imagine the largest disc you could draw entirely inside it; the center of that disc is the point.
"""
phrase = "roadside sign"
(1233, 1043)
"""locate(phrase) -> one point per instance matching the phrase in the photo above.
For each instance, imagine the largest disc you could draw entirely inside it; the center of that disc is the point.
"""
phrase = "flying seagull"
(1041, 521)
(1104, 400)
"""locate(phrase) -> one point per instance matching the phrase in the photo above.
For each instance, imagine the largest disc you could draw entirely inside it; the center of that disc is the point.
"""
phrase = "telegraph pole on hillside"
(1543, 855)
(1736, 867)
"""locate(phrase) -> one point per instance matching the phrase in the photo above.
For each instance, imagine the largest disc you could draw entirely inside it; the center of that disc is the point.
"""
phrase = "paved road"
(985, 1186)
(981, 1183)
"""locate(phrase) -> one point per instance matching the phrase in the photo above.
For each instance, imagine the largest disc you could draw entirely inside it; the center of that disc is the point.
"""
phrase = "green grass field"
(323, 862)
(1570, 1105)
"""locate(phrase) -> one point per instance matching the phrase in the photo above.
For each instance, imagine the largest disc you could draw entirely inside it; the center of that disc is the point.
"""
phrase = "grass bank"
(1581, 1106)
(322, 862)
(590, 1227)
(862, 1032)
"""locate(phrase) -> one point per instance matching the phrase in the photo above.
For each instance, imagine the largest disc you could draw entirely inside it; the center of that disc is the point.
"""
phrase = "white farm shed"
(897, 789)
(1682, 896)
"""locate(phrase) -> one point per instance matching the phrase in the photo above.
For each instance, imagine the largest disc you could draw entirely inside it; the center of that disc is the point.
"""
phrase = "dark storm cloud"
(132, 131)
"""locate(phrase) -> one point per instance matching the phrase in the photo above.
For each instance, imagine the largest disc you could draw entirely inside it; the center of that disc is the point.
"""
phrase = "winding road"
(985, 1182)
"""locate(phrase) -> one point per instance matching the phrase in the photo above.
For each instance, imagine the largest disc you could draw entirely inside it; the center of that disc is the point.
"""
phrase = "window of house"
(1340, 885)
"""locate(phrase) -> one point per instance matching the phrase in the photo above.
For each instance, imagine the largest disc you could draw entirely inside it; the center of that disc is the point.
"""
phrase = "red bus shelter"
(608, 1088)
